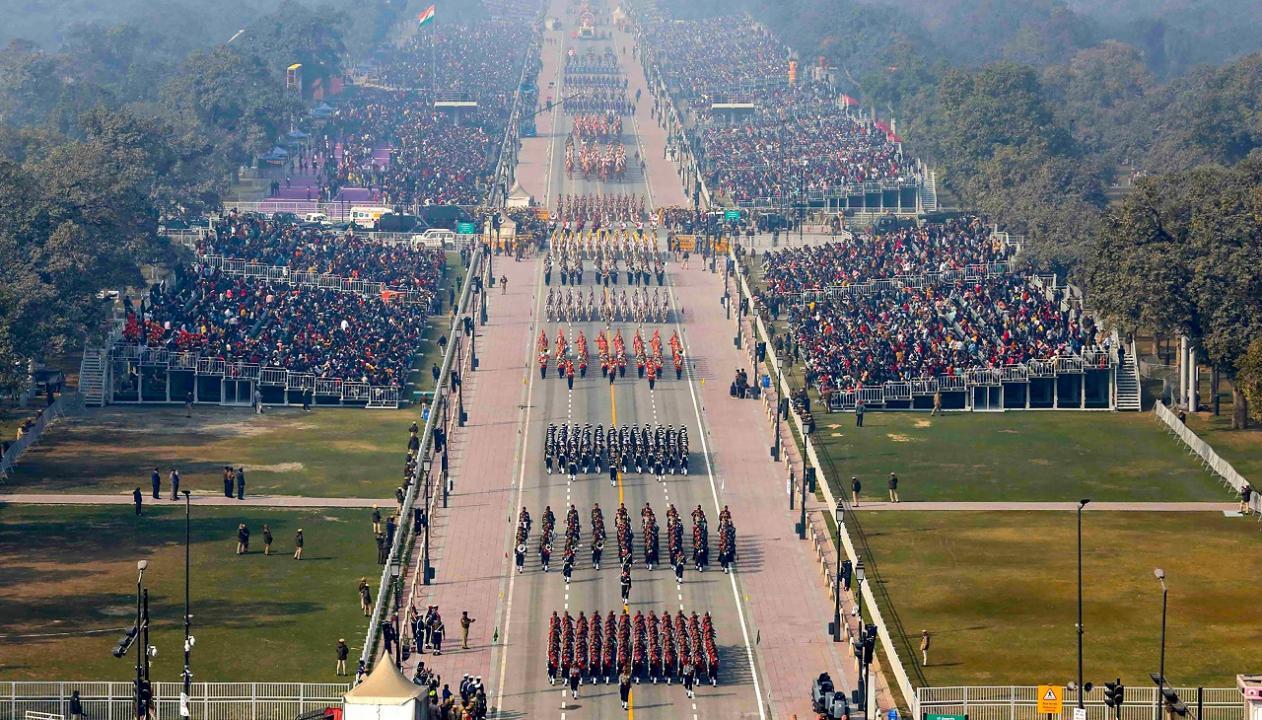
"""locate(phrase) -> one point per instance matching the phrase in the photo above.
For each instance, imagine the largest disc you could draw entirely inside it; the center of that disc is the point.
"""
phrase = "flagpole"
(433, 57)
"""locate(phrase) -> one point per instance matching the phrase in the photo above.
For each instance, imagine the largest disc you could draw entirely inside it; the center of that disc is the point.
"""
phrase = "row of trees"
(1041, 115)
(126, 125)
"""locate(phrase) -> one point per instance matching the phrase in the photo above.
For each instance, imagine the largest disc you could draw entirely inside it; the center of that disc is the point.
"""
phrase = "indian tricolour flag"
(426, 16)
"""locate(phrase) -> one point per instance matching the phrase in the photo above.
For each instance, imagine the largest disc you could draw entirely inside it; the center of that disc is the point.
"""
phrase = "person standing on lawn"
(365, 597)
(855, 487)
(267, 540)
(138, 498)
(893, 488)
(243, 539)
(156, 479)
(298, 540)
(343, 652)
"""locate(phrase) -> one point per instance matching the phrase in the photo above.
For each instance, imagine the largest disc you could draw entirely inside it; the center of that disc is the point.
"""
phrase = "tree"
(1180, 255)
(1249, 378)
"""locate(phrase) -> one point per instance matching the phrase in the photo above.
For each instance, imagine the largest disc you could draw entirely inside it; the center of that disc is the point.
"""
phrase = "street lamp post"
(460, 414)
(1081, 504)
(1161, 668)
(779, 402)
(802, 523)
(396, 576)
(187, 692)
(858, 590)
(142, 654)
(473, 340)
(840, 517)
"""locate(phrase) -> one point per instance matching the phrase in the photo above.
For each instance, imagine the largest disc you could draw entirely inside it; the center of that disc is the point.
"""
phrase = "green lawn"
(1015, 456)
(1241, 448)
(67, 572)
(998, 593)
(325, 453)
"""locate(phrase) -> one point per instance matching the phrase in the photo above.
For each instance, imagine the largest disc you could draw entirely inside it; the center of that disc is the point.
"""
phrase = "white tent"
(518, 197)
(385, 695)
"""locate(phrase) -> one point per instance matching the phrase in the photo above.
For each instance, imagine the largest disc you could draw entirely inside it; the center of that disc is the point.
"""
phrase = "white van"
(366, 217)
(435, 238)
(316, 217)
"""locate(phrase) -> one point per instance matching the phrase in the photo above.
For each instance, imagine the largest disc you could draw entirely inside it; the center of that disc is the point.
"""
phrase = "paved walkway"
(467, 536)
(197, 499)
(776, 571)
(866, 506)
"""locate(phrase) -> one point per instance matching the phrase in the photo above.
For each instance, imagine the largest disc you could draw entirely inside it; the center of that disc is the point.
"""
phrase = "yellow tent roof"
(385, 685)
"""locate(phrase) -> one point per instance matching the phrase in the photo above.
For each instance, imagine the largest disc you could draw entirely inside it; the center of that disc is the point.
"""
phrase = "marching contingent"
(612, 354)
(612, 306)
(624, 448)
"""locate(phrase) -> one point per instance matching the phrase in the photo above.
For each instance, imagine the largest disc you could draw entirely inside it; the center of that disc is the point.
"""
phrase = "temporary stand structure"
(385, 695)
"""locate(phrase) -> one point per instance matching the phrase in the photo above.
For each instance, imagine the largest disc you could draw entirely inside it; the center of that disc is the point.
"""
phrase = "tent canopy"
(385, 685)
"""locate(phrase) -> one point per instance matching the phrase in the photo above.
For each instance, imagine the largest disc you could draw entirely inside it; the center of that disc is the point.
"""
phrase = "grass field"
(68, 572)
(1016, 456)
(324, 453)
(1241, 448)
(998, 593)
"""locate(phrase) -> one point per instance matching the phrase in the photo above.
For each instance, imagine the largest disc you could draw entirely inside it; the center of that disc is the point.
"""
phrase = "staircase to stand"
(929, 196)
(92, 377)
(1126, 377)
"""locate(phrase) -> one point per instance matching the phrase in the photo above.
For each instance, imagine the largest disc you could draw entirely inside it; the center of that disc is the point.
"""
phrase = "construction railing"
(1210, 460)
(60, 406)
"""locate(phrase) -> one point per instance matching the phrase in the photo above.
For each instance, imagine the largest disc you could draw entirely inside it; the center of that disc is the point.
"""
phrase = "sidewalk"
(465, 535)
(776, 571)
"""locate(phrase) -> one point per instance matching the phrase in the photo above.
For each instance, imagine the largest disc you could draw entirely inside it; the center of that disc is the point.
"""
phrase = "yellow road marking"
(631, 704)
(613, 405)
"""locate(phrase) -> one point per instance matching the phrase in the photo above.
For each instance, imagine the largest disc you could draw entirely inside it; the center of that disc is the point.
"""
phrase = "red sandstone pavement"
(788, 604)
(662, 176)
(532, 161)
(466, 541)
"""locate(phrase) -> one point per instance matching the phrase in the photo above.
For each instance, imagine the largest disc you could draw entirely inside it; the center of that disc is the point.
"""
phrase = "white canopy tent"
(385, 695)
(518, 197)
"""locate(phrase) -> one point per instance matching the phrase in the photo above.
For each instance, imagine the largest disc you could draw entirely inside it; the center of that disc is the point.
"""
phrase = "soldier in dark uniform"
(598, 548)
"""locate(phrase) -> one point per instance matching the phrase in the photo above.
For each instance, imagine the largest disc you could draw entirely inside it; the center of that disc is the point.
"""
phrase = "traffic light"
(146, 692)
(846, 569)
(869, 648)
(1110, 693)
(125, 642)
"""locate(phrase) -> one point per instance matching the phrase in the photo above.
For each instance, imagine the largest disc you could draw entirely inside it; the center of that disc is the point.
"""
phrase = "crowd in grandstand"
(392, 147)
(795, 140)
(255, 238)
(954, 308)
(952, 246)
(328, 333)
